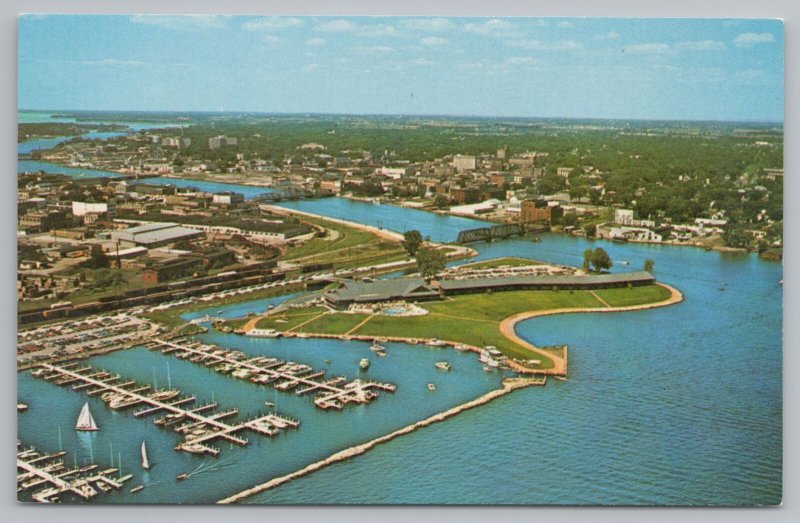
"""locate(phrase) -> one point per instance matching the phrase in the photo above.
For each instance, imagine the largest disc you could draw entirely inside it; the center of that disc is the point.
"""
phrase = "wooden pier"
(199, 425)
(283, 376)
(52, 477)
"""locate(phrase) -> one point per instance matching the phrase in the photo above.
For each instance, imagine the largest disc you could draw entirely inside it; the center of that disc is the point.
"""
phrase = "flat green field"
(633, 296)
(283, 321)
(333, 323)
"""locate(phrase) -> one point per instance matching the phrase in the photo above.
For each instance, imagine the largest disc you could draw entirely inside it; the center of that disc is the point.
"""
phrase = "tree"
(411, 241)
(587, 259)
(430, 261)
(590, 230)
(97, 258)
(648, 265)
(600, 259)
(440, 202)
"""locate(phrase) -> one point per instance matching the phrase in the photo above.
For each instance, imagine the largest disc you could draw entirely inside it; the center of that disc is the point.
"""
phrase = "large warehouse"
(153, 235)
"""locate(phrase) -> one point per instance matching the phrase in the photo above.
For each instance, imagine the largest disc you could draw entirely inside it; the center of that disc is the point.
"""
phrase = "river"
(678, 405)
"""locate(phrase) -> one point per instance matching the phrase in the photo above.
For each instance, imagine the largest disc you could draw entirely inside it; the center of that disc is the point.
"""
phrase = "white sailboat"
(85, 420)
(145, 463)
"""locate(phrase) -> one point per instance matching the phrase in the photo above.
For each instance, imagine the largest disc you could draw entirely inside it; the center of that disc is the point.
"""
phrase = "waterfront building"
(156, 234)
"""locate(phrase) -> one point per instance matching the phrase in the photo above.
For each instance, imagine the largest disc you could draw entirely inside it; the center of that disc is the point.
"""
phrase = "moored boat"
(432, 387)
(364, 363)
(443, 365)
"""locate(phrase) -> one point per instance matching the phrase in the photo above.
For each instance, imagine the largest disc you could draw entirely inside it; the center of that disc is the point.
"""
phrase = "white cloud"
(494, 26)
(316, 42)
(433, 25)
(565, 25)
(432, 41)
(336, 26)
(375, 49)
(611, 35)
(748, 39)
(270, 39)
(524, 60)
(647, 49)
(380, 30)
(182, 22)
(422, 61)
(538, 45)
(701, 45)
(312, 67)
(272, 23)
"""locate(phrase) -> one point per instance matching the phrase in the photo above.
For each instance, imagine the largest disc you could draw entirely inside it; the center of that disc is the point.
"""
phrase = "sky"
(621, 68)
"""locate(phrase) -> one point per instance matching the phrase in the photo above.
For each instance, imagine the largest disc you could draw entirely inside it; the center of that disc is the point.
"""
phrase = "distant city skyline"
(651, 69)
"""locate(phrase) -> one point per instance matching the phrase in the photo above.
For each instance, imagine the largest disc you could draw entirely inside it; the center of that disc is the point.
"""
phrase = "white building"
(623, 216)
(84, 208)
(464, 163)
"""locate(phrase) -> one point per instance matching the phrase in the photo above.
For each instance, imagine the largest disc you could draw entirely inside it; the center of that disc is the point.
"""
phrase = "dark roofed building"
(410, 289)
(507, 283)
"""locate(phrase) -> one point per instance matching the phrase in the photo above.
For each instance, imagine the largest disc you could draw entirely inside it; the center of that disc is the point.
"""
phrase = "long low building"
(417, 289)
(544, 282)
(409, 289)
(155, 234)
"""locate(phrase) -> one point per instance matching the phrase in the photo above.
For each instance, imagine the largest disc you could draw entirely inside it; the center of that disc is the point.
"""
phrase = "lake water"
(679, 405)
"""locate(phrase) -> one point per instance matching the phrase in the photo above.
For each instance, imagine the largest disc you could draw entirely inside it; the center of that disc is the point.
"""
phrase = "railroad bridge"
(490, 233)
(291, 194)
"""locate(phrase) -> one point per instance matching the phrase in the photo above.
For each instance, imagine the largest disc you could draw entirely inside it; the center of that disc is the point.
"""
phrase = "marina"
(282, 375)
(46, 477)
(199, 429)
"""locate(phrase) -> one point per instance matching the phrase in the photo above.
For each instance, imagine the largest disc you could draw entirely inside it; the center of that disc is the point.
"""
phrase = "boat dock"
(199, 427)
(48, 473)
(282, 375)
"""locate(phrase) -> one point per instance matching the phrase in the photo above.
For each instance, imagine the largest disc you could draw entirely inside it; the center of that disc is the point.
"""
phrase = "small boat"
(432, 387)
(269, 404)
(182, 476)
(376, 347)
(327, 362)
(145, 462)
(488, 369)
(624, 262)
(561, 378)
(436, 343)
(536, 239)
(21, 407)
(381, 353)
(85, 420)
(135, 489)
(364, 363)
(443, 365)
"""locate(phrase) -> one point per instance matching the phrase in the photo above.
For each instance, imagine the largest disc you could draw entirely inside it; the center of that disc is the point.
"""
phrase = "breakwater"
(508, 386)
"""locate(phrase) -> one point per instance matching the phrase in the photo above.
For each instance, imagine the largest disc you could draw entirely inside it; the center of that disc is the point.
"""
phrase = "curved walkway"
(507, 327)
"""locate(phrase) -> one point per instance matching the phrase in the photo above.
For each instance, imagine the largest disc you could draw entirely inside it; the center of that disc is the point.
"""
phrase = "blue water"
(678, 405)
(400, 219)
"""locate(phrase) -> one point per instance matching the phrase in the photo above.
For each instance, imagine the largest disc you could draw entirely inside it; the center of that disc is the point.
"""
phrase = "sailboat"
(85, 420)
(145, 463)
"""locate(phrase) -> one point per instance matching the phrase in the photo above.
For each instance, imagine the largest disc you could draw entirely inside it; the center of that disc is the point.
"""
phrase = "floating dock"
(48, 473)
(282, 375)
(199, 426)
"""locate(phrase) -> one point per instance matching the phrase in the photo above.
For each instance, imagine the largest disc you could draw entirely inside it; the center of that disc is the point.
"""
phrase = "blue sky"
(700, 69)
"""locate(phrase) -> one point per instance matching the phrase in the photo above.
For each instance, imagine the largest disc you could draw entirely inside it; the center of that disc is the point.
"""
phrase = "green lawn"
(473, 319)
(502, 262)
(633, 296)
(287, 320)
(338, 323)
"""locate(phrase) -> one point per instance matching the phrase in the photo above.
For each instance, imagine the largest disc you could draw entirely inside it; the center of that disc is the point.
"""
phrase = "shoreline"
(507, 386)
(214, 178)
(507, 328)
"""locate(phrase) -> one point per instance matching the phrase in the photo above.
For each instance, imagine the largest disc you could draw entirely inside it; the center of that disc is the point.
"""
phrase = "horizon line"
(401, 115)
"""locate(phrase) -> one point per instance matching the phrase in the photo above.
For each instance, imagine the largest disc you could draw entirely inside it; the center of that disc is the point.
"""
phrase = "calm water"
(680, 405)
